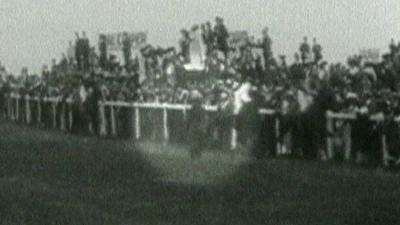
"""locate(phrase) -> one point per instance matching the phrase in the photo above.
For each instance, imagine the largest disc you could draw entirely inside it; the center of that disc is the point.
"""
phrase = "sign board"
(115, 41)
(371, 55)
(238, 38)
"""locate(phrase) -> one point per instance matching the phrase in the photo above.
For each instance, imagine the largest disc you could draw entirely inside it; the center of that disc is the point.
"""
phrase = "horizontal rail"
(211, 108)
(150, 105)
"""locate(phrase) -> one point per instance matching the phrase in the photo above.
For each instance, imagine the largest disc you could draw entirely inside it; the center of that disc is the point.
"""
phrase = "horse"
(247, 120)
(313, 123)
(80, 123)
(302, 115)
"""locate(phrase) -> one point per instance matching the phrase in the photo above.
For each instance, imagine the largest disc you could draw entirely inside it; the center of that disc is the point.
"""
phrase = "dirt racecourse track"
(48, 177)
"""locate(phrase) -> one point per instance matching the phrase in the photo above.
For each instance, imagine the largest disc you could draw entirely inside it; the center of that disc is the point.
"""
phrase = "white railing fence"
(138, 120)
(347, 132)
(155, 121)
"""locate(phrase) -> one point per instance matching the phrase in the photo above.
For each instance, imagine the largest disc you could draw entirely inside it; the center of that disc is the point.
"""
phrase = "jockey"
(241, 97)
(245, 112)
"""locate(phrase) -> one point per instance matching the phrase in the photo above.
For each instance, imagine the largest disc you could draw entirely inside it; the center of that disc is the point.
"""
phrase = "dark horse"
(311, 129)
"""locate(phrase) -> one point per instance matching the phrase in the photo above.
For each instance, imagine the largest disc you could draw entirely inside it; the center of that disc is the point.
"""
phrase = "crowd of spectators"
(160, 74)
(157, 74)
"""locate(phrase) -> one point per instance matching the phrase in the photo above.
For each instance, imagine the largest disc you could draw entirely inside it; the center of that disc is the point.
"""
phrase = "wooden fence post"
(113, 123)
(54, 107)
(137, 123)
(39, 118)
(17, 109)
(329, 130)
(9, 106)
(234, 139)
(103, 125)
(165, 124)
(385, 154)
(70, 116)
(277, 134)
(347, 137)
(62, 116)
(28, 109)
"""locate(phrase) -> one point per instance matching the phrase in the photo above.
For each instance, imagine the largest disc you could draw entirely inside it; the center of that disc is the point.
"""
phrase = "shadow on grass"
(55, 178)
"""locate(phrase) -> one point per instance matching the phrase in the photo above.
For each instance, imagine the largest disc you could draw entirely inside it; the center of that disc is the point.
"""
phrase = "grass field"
(48, 177)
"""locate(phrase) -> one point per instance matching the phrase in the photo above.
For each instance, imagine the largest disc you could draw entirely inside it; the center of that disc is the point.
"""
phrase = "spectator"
(317, 51)
(296, 70)
(71, 53)
(304, 50)
(207, 35)
(45, 73)
(266, 44)
(221, 36)
(85, 52)
(393, 47)
(103, 58)
(184, 44)
(126, 49)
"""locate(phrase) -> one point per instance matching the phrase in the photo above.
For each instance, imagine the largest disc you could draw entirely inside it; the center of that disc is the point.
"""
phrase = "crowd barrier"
(155, 120)
(347, 118)
(137, 121)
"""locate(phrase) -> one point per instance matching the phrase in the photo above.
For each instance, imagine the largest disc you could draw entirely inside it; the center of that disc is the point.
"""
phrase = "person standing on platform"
(85, 52)
(71, 53)
(317, 51)
(78, 51)
(127, 49)
(266, 44)
(221, 36)
(184, 44)
(305, 50)
(103, 52)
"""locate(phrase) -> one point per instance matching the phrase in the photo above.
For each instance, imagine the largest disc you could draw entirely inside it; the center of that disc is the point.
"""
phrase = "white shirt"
(241, 96)
(83, 94)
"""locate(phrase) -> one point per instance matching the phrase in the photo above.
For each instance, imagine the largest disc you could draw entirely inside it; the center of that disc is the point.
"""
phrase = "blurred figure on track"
(198, 125)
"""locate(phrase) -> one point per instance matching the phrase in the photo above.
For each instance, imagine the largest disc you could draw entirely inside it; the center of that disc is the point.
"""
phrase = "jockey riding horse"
(247, 119)
(313, 123)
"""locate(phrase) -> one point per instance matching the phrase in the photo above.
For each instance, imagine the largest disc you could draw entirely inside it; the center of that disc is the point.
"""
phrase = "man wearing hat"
(317, 51)
(184, 44)
(304, 50)
(221, 36)
(266, 47)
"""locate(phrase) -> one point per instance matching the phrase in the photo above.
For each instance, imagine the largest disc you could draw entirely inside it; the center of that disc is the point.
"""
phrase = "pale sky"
(34, 31)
